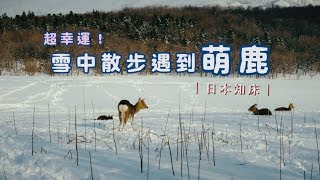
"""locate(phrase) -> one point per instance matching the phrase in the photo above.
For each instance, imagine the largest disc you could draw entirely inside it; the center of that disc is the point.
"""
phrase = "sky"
(43, 7)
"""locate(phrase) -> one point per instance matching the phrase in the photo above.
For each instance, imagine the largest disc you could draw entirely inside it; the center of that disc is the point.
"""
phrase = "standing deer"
(127, 110)
(289, 108)
(256, 111)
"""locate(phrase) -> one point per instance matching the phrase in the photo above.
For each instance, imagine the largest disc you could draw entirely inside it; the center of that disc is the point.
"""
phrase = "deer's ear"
(139, 99)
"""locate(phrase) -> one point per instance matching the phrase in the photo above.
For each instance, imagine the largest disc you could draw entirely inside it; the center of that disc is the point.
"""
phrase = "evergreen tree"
(267, 39)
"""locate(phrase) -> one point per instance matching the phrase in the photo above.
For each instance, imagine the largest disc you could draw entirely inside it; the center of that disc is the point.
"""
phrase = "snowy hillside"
(264, 145)
(13, 7)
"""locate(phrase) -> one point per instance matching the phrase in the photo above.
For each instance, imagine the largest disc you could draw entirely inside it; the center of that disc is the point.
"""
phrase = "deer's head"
(141, 104)
(253, 108)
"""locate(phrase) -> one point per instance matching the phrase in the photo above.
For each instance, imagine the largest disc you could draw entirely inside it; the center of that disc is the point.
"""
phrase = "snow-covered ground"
(40, 7)
(94, 96)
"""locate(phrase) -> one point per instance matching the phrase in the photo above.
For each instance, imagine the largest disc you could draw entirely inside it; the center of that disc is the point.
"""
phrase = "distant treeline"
(293, 33)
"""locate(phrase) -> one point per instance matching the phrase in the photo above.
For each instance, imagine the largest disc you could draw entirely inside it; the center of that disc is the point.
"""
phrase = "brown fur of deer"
(128, 110)
(289, 108)
(256, 111)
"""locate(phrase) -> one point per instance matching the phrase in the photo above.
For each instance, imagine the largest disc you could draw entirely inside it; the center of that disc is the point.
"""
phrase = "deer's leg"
(125, 119)
(120, 118)
(132, 123)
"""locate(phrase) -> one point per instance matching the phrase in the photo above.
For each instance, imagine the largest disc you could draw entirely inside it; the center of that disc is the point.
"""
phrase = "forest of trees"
(292, 33)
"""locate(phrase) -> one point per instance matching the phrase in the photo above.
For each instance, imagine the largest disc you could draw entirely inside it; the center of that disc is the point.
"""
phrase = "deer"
(128, 110)
(256, 111)
(104, 117)
(289, 108)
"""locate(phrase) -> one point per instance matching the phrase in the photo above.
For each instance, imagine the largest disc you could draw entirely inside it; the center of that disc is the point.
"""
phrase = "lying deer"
(104, 117)
(127, 110)
(289, 108)
(257, 111)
